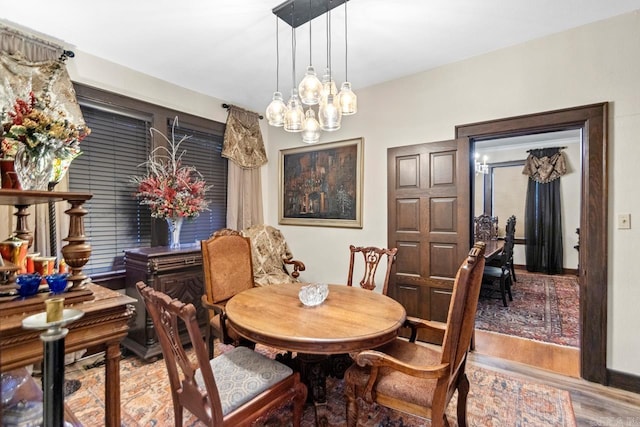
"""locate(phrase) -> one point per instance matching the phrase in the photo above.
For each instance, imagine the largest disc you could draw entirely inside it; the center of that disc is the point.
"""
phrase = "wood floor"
(593, 404)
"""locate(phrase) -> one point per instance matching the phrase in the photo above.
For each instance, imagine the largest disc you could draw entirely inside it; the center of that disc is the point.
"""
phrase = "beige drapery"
(27, 61)
(244, 147)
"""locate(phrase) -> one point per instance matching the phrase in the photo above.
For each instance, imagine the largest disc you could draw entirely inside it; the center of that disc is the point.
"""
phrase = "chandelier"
(482, 168)
(311, 96)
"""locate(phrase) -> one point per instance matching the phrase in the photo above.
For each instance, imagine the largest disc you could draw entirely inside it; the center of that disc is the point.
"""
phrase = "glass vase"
(33, 168)
(175, 225)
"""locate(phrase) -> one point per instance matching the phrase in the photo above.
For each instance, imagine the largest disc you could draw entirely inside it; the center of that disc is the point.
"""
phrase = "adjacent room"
(319, 213)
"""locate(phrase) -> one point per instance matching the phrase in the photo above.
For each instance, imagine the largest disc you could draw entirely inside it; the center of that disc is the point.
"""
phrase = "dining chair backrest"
(246, 384)
(227, 267)
(372, 256)
(485, 228)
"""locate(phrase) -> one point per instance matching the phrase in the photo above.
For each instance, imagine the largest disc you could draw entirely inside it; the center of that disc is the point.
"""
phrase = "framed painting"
(321, 185)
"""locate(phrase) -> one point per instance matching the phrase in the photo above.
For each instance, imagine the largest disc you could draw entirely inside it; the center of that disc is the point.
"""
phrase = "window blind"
(111, 155)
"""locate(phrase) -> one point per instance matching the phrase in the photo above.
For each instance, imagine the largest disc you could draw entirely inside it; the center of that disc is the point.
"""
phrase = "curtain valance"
(243, 142)
(545, 165)
(28, 63)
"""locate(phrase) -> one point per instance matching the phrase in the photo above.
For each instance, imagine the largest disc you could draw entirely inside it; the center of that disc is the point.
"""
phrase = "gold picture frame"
(321, 185)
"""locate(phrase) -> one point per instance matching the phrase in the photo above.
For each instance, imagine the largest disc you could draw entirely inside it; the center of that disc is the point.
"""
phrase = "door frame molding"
(593, 121)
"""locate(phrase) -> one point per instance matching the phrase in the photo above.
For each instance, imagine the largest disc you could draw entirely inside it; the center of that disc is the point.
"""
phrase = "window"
(110, 157)
(119, 142)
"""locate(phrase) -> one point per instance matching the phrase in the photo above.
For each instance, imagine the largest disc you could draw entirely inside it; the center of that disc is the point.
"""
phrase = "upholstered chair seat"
(417, 391)
(236, 378)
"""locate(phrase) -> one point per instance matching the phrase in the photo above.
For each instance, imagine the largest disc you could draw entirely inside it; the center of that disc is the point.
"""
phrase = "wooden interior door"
(429, 221)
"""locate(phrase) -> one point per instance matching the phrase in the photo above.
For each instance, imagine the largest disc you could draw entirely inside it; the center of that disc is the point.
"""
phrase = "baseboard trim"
(623, 381)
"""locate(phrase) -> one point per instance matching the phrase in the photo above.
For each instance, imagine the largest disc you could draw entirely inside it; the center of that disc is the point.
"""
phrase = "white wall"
(594, 63)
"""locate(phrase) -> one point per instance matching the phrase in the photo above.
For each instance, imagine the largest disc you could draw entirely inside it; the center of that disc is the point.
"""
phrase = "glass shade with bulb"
(275, 110)
(295, 114)
(329, 114)
(310, 87)
(310, 128)
(347, 100)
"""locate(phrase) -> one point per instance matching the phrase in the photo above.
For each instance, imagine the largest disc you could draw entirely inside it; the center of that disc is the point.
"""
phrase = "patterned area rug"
(544, 308)
(495, 399)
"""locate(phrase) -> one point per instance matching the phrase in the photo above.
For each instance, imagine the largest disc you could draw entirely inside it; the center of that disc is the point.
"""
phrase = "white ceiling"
(227, 48)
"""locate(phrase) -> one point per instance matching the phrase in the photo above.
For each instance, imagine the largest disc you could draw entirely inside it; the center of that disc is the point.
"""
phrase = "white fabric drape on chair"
(244, 147)
(26, 60)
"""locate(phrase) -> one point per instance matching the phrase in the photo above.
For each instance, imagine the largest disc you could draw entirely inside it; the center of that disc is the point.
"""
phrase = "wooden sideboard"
(177, 273)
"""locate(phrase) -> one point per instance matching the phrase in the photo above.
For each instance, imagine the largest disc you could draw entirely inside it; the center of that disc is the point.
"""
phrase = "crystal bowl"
(57, 282)
(28, 284)
(313, 294)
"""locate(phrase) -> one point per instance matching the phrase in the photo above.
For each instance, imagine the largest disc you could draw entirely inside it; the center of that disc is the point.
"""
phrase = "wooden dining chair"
(498, 277)
(234, 389)
(372, 257)
(510, 231)
(418, 379)
(227, 266)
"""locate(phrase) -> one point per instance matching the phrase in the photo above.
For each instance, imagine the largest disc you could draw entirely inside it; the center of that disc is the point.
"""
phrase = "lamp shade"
(347, 100)
(295, 114)
(310, 128)
(329, 114)
(310, 87)
(275, 110)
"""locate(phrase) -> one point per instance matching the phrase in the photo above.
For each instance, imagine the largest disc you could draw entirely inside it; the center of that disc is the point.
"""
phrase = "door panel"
(429, 217)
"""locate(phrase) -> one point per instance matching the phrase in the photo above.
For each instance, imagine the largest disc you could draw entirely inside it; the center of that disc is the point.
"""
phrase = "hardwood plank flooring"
(593, 404)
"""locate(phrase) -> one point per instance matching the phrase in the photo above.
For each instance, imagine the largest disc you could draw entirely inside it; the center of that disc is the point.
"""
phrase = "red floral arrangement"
(169, 189)
(39, 125)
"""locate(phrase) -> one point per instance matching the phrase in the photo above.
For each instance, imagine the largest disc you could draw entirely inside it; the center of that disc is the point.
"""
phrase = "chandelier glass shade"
(310, 87)
(294, 113)
(312, 96)
(275, 110)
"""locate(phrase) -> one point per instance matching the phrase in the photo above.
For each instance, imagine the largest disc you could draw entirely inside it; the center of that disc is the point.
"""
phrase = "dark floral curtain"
(543, 211)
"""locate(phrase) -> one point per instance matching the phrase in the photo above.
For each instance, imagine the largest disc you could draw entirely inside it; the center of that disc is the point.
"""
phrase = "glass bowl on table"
(28, 284)
(57, 282)
(313, 294)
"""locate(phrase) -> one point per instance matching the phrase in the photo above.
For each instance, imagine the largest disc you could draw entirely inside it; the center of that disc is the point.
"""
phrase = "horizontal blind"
(203, 150)
(111, 155)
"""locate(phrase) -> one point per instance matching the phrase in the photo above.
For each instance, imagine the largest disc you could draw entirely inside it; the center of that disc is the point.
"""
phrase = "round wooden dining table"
(350, 319)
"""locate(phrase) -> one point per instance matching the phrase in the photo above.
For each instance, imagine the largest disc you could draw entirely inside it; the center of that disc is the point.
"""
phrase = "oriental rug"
(544, 308)
(495, 399)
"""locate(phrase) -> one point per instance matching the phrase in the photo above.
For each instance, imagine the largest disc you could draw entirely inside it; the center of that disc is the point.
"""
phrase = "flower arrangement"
(171, 190)
(39, 125)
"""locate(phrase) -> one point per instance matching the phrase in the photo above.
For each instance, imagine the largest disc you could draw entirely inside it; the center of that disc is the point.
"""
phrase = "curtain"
(543, 215)
(28, 63)
(244, 147)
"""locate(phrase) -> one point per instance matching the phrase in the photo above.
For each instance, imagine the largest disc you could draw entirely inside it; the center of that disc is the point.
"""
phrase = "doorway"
(591, 121)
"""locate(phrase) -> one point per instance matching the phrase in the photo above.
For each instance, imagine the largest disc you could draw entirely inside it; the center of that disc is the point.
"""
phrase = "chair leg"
(513, 272)
(352, 405)
(508, 285)
(503, 291)
(463, 391)
(298, 403)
